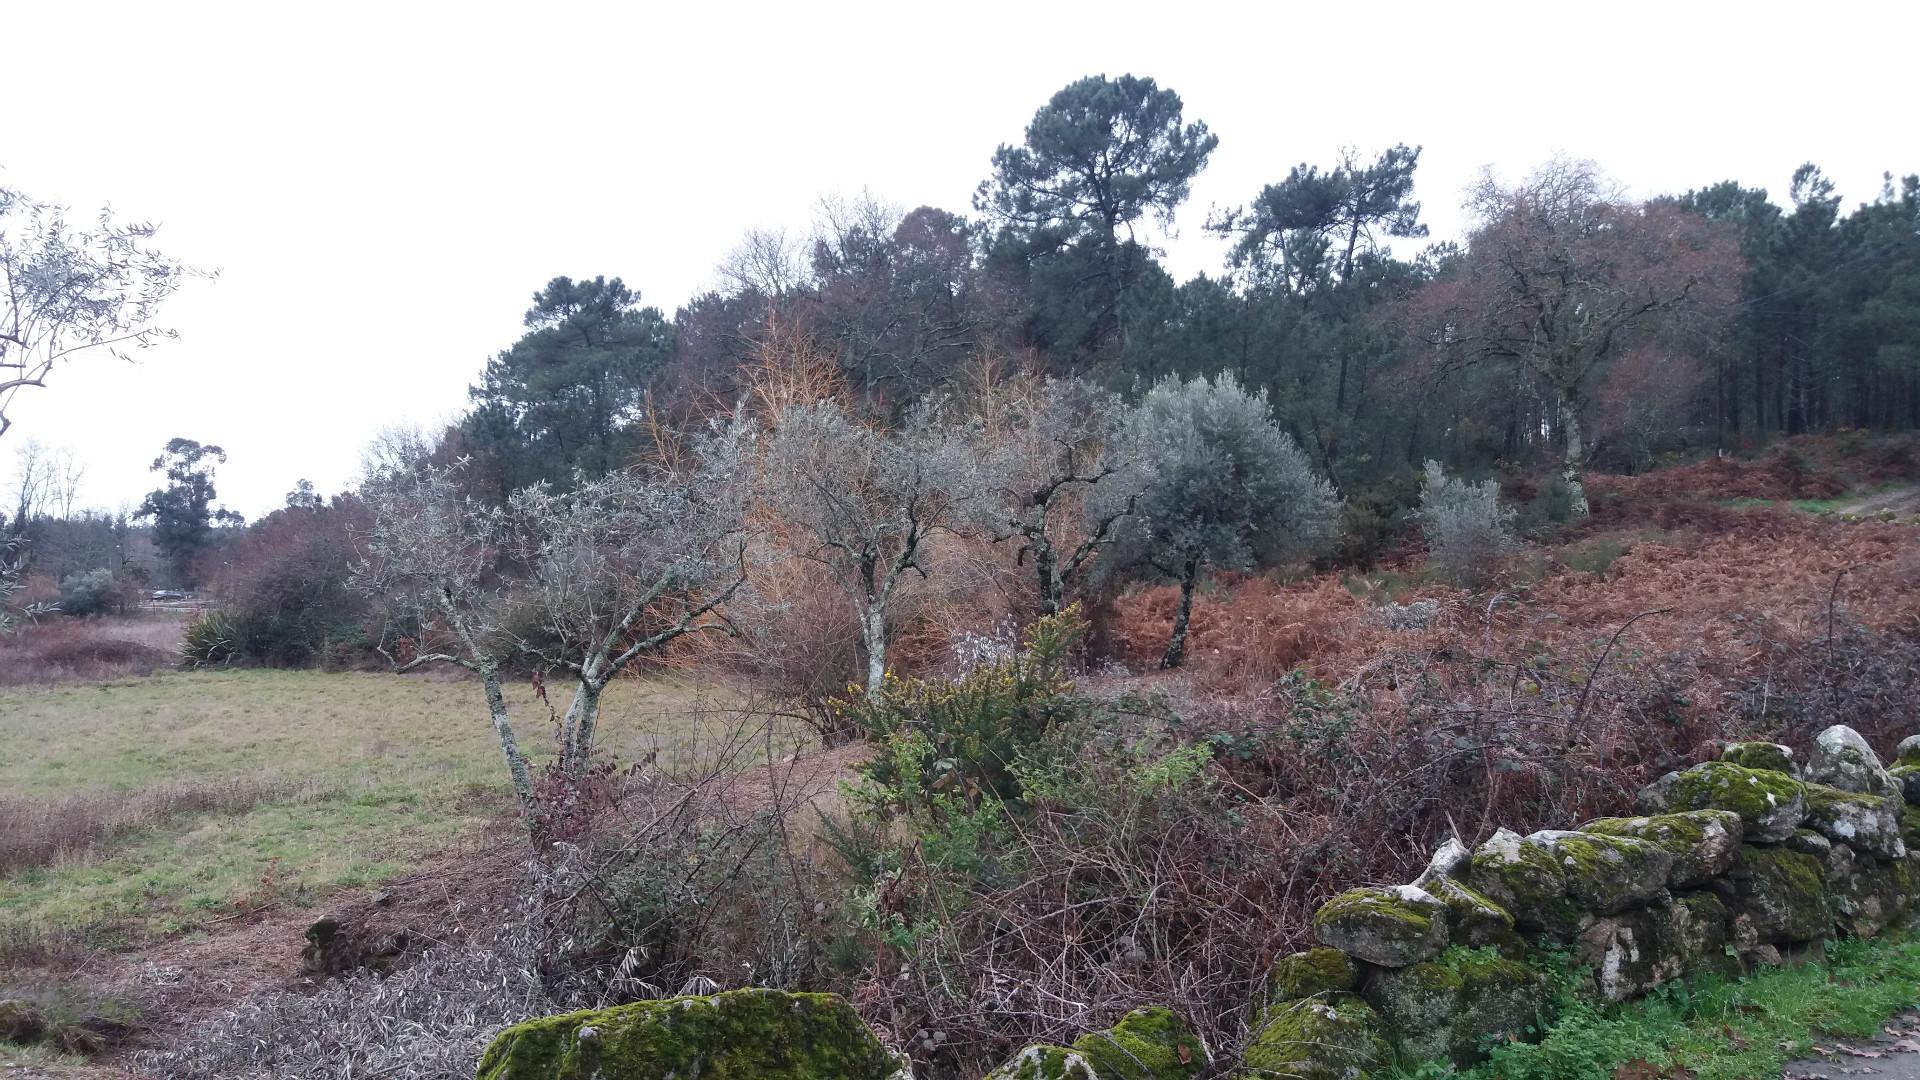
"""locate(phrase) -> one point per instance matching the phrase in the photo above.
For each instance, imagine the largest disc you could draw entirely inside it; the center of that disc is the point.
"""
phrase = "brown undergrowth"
(74, 650)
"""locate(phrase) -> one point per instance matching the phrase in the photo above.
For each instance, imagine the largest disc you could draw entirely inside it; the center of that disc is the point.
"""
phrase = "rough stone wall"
(1748, 860)
(1752, 859)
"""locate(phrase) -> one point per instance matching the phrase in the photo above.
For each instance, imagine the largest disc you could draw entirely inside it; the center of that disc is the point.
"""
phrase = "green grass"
(1715, 1028)
(376, 772)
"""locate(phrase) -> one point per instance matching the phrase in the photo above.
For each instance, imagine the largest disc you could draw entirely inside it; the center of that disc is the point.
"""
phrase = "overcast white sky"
(382, 186)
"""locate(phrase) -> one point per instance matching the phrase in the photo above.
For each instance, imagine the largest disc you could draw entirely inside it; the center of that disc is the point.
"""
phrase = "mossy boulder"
(1472, 916)
(1450, 862)
(1908, 752)
(1841, 758)
(1771, 805)
(1866, 823)
(1148, 1044)
(1633, 952)
(1527, 881)
(1456, 1005)
(1877, 894)
(1313, 973)
(1778, 895)
(1769, 756)
(1910, 827)
(1607, 874)
(1390, 927)
(1338, 1039)
(767, 1034)
(1908, 777)
(1702, 842)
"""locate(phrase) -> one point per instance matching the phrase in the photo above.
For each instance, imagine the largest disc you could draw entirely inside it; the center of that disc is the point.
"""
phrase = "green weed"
(1715, 1028)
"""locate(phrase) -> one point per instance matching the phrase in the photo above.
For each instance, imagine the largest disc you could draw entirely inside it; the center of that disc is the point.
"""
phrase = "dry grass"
(57, 650)
(142, 807)
(39, 832)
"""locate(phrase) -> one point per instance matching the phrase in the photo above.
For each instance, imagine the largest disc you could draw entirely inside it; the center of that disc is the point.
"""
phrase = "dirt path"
(1901, 500)
(1893, 1054)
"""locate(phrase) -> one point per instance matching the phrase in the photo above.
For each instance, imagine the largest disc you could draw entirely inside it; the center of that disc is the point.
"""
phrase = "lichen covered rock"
(1450, 862)
(1607, 874)
(1908, 777)
(1771, 805)
(1876, 894)
(1908, 751)
(1842, 759)
(1866, 823)
(1148, 1044)
(1910, 827)
(730, 1036)
(1526, 880)
(1390, 927)
(1313, 973)
(1769, 756)
(1702, 842)
(1316, 1040)
(1472, 916)
(1634, 951)
(1779, 895)
(1454, 1006)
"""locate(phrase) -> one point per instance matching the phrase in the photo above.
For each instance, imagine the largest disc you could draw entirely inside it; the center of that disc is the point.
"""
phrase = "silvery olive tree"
(1060, 473)
(64, 290)
(1228, 488)
(588, 581)
(863, 502)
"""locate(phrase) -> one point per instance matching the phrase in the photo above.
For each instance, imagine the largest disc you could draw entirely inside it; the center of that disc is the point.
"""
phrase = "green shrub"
(1375, 518)
(210, 642)
(1552, 505)
(1469, 534)
(94, 592)
(962, 737)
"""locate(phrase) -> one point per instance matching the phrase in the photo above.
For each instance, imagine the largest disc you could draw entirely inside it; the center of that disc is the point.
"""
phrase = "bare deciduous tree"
(1562, 274)
(863, 502)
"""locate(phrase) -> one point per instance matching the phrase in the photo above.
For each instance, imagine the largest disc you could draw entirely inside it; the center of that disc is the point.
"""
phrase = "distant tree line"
(1571, 324)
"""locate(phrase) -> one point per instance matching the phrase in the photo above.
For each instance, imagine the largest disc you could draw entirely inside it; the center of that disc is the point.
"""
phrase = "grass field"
(180, 797)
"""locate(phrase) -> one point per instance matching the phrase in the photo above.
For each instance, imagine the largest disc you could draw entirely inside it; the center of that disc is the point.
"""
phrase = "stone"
(1607, 874)
(1147, 1044)
(1456, 1006)
(1472, 917)
(1908, 777)
(1842, 759)
(1910, 827)
(1875, 895)
(770, 1034)
(1316, 1040)
(1768, 756)
(1450, 862)
(1390, 927)
(1527, 881)
(1866, 823)
(1771, 805)
(1908, 752)
(1633, 952)
(1701, 842)
(1778, 896)
(1313, 973)
(1621, 951)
